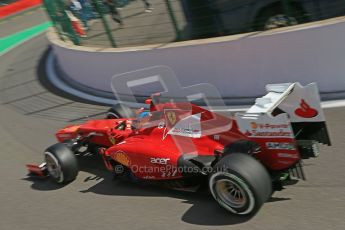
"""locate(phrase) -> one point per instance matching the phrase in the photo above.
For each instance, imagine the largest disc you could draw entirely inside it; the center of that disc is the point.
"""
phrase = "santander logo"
(305, 110)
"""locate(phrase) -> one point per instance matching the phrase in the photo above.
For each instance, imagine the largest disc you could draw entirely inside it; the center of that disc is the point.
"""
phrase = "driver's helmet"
(143, 114)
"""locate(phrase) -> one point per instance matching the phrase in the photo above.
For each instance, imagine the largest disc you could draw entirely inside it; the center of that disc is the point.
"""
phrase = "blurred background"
(121, 23)
(6, 2)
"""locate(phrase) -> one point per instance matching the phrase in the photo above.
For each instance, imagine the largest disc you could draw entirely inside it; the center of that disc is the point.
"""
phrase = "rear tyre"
(120, 111)
(62, 164)
(240, 184)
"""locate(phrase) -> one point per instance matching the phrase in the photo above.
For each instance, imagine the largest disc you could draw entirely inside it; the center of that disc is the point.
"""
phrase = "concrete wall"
(239, 66)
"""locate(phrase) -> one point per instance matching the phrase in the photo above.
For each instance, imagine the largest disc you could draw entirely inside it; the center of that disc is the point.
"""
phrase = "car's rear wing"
(288, 104)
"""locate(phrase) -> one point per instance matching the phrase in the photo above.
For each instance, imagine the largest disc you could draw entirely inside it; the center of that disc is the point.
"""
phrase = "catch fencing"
(122, 23)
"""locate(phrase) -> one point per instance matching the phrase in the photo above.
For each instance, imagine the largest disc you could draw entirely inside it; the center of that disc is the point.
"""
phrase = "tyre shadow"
(43, 184)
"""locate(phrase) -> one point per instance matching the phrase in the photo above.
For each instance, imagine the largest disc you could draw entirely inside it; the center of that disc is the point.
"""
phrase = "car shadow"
(204, 210)
(43, 184)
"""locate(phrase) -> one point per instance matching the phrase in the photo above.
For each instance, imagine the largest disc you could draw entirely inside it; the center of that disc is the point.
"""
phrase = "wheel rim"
(231, 193)
(53, 167)
(242, 206)
(280, 20)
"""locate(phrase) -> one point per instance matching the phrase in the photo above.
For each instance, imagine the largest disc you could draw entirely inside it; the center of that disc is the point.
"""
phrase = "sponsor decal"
(166, 174)
(122, 158)
(169, 173)
(97, 134)
(280, 145)
(255, 125)
(184, 132)
(265, 126)
(160, 161)
(288, 155)
(305, 110)
(189, 126)
(284, 162)
(149, 177)
(258, 133)
(72, 128)
(64, 135)
(171, 117)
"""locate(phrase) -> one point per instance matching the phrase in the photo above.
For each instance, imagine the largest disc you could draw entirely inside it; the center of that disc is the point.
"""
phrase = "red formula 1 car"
(241, 159)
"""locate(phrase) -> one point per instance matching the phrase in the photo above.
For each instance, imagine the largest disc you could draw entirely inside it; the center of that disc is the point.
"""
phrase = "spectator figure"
(73, 10)
(84, 12)
(78, 8)
(148, 6)
(74, 6)
(115, 14)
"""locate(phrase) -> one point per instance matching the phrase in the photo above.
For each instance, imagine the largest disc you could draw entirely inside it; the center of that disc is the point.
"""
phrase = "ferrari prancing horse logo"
(171, 117)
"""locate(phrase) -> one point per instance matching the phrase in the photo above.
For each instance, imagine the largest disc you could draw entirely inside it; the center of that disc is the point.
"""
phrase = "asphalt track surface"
(22, 21)
(29, 116)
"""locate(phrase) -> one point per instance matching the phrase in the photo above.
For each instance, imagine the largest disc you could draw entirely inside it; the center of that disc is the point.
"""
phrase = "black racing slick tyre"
(61, 163)
(120, 111)
(240, 184)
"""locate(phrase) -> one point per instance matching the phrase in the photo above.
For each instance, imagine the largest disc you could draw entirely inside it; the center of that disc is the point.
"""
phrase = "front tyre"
(61, 163)
(240, 184)
(120, 111)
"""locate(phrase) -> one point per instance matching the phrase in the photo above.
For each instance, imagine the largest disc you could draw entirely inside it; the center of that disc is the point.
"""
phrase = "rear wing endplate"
(302, 107)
